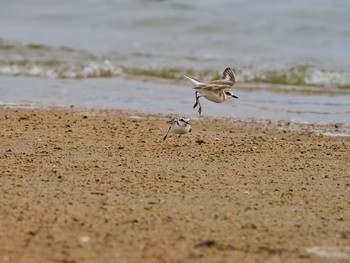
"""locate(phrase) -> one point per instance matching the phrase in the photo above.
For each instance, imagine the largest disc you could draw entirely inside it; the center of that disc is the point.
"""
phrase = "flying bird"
(216, 91)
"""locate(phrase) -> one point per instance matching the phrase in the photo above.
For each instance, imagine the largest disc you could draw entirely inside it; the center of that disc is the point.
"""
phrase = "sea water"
(291, 57)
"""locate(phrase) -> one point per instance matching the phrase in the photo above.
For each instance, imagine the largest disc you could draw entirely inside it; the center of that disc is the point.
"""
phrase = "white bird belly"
(212, 96)
(180, 129)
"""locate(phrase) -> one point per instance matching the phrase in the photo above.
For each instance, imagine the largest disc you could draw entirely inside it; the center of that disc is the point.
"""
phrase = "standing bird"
(179, 126)
(216, 90)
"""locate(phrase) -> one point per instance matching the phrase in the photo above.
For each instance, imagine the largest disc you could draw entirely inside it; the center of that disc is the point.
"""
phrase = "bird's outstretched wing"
(228, 74)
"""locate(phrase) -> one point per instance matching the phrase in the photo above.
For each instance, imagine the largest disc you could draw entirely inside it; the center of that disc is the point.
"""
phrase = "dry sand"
(103, 187)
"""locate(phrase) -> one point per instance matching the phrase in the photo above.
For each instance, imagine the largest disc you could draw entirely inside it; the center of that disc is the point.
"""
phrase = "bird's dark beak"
(234, 96)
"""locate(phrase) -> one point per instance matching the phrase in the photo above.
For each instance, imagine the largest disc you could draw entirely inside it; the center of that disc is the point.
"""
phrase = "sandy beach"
(102, 186)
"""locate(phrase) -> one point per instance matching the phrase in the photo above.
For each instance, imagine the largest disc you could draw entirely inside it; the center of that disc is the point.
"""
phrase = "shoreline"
(325, 129)
(102, 186)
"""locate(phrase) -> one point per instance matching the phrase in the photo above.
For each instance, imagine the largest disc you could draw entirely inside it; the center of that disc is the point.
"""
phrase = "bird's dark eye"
(228, 93)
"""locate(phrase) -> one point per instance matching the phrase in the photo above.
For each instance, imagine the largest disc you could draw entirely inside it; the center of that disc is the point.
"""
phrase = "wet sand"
(103, 187)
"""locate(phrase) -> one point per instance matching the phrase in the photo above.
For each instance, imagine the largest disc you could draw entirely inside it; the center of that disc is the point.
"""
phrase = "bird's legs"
(198, 103)
(166, 135)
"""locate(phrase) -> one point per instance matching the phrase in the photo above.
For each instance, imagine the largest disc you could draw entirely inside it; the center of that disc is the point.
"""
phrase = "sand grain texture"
(103, 187)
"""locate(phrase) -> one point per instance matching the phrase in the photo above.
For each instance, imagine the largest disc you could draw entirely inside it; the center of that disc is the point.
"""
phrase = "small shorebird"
(216, 90)
(179, 126)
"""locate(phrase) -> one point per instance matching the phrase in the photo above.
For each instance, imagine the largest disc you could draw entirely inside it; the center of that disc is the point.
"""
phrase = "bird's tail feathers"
(194, 82)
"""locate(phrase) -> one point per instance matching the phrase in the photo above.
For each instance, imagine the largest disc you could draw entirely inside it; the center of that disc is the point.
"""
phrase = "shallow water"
(172, 98)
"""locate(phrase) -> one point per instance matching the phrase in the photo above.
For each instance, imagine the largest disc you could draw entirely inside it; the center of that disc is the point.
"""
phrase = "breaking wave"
(60, 62)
